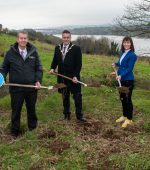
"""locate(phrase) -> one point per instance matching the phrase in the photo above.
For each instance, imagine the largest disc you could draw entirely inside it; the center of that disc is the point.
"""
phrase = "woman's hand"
(118, 77)
(113, 65)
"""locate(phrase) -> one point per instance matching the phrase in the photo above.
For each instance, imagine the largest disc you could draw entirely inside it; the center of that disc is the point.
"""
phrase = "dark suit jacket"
(70, 66)
(20, 71)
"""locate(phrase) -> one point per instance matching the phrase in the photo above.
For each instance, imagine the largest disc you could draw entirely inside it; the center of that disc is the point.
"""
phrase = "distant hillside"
(92, 30)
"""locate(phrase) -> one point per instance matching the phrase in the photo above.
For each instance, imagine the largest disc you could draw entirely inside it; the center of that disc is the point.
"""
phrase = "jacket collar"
(30, 49)
(69, 48)
(124, 52)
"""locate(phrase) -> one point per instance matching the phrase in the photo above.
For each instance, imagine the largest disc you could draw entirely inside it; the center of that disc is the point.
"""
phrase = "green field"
(100, 144)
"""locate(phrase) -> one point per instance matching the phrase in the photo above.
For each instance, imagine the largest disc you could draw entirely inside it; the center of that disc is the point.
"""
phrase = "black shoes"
(67, 117)
(33, 128)
(14, 135)
(81, 120)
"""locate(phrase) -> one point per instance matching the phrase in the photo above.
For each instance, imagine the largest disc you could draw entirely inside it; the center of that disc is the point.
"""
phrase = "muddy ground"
(96, 139)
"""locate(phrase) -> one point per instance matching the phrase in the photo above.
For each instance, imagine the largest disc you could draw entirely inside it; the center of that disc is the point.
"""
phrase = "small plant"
(114, 49)
(147, 127)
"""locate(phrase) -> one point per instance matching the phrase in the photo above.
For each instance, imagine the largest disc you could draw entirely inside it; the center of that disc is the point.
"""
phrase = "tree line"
(88, 45)
(102, 46)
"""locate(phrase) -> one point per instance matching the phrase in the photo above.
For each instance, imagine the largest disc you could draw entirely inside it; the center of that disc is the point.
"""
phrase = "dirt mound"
(112, 133)
(5, 136)
(59, 146)
(101, 128)
(136, 127)
(107, 164)
(92, 167)
(40, 164)
(92, 127)
(47, 134)
(107, 140)
(101, 157)
(94, 83)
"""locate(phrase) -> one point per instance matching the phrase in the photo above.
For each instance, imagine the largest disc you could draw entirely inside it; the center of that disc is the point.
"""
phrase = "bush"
(100, 46)
(114, 49)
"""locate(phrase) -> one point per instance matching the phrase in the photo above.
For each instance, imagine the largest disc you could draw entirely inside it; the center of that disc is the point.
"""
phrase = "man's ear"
(17, 39)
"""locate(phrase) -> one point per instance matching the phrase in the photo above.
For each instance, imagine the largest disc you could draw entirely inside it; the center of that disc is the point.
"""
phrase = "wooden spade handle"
(24, 85)
(117, 75)
(55, 73)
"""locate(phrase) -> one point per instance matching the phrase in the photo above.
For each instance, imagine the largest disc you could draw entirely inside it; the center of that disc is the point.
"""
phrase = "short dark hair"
(127, 38)
(22, 32)
(66, 31)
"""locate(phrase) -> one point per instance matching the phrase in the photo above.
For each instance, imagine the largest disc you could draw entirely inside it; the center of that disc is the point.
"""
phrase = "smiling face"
(66, 38)
(22, 40)
(127, 45)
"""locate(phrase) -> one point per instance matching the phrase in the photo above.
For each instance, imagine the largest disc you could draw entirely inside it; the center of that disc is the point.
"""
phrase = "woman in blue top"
(125, 75)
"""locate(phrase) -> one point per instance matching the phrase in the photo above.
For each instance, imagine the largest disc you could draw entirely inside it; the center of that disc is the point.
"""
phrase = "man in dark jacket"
(68, 58)
(23, 65)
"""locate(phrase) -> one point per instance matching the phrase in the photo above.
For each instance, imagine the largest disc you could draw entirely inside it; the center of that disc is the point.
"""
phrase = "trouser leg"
(66, 103)
(30, 99)
(16, 105)
(126, 100)
(78, 104)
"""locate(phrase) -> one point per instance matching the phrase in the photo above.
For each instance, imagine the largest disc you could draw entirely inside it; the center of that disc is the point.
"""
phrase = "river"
(142, 45)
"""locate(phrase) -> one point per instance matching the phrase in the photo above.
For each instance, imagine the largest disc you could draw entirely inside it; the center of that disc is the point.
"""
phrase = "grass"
(101, 144)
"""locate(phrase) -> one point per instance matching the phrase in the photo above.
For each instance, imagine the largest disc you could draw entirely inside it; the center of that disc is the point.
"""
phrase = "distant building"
(1, 27)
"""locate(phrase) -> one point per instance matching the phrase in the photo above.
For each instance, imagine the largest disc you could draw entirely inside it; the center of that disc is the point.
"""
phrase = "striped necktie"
(64, 50)
(21, 53)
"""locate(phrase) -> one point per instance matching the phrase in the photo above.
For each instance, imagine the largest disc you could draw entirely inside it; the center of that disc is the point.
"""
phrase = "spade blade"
(59, 85)
(123, 89)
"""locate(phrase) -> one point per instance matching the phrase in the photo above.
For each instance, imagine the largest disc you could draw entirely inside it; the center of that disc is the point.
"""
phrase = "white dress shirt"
(66, 48)
(24, 53)
(123, 55)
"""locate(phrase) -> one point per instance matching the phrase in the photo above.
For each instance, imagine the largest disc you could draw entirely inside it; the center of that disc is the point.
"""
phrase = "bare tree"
(136, 20)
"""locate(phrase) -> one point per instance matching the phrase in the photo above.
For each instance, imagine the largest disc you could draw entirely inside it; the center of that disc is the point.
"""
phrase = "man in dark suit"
(68, 58)
(24, 67)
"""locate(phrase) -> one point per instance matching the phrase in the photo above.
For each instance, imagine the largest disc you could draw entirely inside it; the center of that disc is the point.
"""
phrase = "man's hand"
(51, 71)
(75, 79)
(38, 85)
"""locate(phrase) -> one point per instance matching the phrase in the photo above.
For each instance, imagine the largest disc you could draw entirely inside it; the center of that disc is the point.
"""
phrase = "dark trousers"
(17, 100)
(126, 100)
(77, 101)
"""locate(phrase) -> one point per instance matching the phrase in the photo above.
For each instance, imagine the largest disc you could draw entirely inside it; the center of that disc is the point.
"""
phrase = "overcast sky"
(19, 14)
